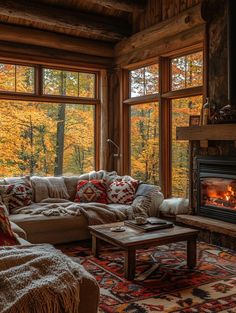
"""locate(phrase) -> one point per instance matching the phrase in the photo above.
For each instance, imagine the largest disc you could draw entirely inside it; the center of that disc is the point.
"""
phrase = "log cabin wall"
(217, 86)
(164, 28)
(158, 11)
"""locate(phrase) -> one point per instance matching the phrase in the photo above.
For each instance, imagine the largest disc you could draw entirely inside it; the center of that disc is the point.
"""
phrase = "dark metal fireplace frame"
(209, 167)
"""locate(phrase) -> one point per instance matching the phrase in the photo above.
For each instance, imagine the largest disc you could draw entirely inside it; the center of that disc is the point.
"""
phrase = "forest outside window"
(144, 141)
(144, 123)
(155, 110)
(68, 83)
(186, 72)
(17, 78)
(46, 136)
(144, 81)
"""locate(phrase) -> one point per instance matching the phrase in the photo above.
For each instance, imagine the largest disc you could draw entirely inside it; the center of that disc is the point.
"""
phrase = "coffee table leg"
(95, 246)
(191, 253)
(130, 263)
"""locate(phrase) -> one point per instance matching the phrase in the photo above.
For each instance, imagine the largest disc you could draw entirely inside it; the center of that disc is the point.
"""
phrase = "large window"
(144, 141)
(155, 110)
(144, 123)
(181, 111)
(43, 137)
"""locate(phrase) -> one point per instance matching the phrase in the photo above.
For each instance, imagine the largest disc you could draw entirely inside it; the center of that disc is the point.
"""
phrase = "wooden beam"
(52, 57)
(24, 35)
(207, 132)
(164, 47)
(161, 31)
(28, 54)
(61, 20)
(121, 5)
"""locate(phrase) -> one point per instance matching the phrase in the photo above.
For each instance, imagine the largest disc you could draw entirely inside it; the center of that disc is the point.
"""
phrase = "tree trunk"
(60, 140)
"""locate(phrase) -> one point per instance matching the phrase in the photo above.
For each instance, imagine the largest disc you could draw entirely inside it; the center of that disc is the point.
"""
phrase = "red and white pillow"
(16, 195)
(122, 190)
(7, 237)
(91, 191)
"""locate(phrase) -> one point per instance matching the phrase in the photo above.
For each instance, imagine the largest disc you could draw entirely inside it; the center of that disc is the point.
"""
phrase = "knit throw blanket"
(38, 279)
(98, 213)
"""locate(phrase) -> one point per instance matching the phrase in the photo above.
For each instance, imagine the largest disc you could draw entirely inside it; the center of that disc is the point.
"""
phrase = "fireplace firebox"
(216, 188)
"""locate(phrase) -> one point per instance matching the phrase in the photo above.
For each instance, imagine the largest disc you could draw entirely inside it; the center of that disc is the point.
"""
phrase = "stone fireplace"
(216, 188)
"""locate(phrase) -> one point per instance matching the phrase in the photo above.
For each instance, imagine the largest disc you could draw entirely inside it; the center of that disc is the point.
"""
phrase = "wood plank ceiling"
(103, 20)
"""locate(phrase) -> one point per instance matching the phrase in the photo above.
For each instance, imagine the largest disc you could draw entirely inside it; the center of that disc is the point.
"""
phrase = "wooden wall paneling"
(165, 128)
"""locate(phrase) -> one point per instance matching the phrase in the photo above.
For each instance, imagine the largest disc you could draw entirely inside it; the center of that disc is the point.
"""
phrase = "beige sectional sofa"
(67, 228)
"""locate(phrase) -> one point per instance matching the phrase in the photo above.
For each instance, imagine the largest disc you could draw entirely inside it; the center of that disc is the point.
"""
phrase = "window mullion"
(165, 128)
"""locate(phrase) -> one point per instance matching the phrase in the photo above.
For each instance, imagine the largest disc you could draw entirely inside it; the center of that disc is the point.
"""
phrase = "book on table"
(152, 223)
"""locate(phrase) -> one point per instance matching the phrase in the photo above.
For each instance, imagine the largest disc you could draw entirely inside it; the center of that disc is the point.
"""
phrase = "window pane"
(145, 142)
(87, 85)
(41, 138)
(24, 79)
(181, 110)
(67, 83)
(71, 83)
(53, 82)
(137, 82)
(16, 78)
(187, 71)
(144, 81)
(151, 79)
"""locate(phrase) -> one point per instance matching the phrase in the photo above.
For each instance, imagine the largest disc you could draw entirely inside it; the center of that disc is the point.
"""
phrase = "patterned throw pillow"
(91, 191)
(7, 237)
(122, 191)
(15, 196)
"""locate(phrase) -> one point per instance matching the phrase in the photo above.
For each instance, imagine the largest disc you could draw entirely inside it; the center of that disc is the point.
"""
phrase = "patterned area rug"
(172, 287)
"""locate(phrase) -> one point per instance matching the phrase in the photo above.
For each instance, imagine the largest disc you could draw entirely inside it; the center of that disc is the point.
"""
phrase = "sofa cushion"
(91, 191)
(49, 187)
(122, 191)
(7, 237)
(52, 229)
(71, 185)
(16, 195)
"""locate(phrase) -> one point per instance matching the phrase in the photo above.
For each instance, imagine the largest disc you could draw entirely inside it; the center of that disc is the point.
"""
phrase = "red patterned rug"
(172, 287)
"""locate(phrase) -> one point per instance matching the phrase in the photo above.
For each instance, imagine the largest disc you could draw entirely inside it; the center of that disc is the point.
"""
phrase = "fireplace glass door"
(216, 188)
(218, 192)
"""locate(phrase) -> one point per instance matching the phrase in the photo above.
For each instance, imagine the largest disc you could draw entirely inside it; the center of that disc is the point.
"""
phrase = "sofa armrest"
(18, 230)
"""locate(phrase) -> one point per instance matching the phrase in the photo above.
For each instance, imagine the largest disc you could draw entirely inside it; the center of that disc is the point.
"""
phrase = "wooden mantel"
(207, 132)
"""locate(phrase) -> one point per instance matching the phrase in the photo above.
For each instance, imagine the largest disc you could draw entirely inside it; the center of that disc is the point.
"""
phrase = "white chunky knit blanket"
(38, 279)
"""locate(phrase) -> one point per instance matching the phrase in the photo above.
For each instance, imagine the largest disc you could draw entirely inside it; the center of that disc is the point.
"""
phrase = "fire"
(220, 195)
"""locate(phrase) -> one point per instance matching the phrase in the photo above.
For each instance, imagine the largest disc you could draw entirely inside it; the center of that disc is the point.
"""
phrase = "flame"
(222, 198)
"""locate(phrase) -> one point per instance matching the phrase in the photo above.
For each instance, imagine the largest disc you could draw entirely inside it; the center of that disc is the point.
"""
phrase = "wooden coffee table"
(132, 239)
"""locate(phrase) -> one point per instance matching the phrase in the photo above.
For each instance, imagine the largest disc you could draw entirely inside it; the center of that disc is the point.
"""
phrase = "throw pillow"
(15, 196)
(91, 191)
(7, 237)
(122, 191)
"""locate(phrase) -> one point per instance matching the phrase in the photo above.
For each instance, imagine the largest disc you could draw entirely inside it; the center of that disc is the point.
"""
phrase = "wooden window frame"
(164, 98)
(38, 95)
